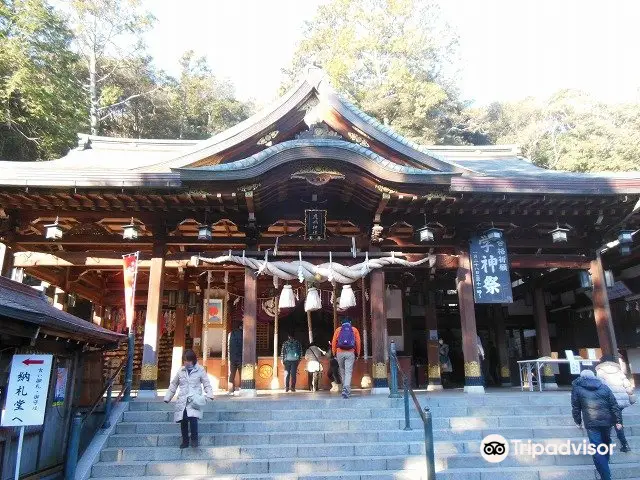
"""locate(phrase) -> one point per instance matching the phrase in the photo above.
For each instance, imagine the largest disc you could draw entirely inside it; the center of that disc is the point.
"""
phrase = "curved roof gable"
(315, 148)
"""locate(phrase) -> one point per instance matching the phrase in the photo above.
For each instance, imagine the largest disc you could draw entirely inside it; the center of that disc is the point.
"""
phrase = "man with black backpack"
(235, 355)
(346, 347)
(291, 355)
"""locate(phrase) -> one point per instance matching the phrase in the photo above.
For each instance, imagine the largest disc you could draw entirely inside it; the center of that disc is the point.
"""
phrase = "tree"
(568, 131)
(204, 104)
(108, 36)
(41, 106)
(393, 58)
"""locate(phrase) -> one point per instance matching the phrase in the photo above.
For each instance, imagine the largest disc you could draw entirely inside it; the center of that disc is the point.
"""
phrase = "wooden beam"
(573, 262)
(601, 309)
(384, 200)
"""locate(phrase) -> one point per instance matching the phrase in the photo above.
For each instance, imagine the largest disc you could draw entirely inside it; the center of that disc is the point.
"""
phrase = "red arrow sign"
(28, 362)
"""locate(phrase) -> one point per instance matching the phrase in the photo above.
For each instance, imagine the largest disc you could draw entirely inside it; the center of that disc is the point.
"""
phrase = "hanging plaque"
(490, 270)
(315, 224)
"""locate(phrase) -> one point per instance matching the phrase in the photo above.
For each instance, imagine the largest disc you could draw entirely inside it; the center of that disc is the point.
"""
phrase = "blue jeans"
(600, 436)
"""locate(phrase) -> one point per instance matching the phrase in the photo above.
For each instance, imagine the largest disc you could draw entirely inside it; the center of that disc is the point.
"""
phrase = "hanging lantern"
(53, 231)
(347, 298)
(204, 232)
(312, 302)
(130, 232)
(559, 235)
(287, 299)
(625, 237)
(609, 279)
(493, 234)
(585, 279)
(426, 234)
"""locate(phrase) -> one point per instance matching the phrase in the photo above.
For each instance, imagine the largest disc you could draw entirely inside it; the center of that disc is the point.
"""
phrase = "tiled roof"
(21, 302)
(262, 156)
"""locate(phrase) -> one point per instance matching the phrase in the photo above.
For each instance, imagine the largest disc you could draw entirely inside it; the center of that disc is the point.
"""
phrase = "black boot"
(625, 448)
(194, 442)
(185, 443)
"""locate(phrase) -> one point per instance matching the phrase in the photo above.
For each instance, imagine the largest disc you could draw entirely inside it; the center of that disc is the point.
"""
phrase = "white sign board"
(27, 390)
(574, 367)
(591, 354)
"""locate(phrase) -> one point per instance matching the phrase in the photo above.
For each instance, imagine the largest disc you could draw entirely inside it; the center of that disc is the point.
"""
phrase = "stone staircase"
(306, 436)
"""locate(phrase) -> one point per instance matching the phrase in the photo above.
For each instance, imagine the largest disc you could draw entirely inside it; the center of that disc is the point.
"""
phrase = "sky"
(509, 49)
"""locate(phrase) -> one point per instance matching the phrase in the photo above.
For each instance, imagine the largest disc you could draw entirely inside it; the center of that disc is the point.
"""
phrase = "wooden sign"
(490, 270)
(315, 224)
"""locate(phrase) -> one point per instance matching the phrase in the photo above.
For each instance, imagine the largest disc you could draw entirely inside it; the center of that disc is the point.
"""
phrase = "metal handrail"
(425, 414)
(108, 385)
(79, 420)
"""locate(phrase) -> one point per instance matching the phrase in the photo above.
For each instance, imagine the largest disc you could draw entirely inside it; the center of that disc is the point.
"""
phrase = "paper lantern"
(287, 299)
(347, 298)
(53, 231)
(204, 232)
(312, 302)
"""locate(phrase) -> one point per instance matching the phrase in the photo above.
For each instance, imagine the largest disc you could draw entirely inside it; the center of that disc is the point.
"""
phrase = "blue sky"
(509, 49)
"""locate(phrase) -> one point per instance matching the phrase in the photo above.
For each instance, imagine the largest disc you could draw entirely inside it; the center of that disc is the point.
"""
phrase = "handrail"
(108, 385)
(424, 415)
(79, 420)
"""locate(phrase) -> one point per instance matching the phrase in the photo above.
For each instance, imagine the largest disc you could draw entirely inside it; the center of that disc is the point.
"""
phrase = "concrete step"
(356, 413)
(360, 475)
(303, 465)
(574, 472)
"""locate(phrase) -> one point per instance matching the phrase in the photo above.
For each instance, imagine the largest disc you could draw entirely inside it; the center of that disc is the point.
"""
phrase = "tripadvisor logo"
(495, 448)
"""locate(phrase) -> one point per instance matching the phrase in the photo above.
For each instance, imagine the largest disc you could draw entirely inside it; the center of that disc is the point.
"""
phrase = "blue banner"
(490, 270)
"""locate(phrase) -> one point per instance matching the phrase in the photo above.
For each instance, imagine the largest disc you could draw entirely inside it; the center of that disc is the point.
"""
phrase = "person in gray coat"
(190, 379)
(609, 371)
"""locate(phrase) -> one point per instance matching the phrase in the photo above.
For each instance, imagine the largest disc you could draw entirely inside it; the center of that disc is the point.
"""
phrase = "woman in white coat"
(610, 373)
(190, 379)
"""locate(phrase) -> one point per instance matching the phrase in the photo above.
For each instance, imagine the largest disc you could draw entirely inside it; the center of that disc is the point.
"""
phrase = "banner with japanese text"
(130, 266)
(490, 270)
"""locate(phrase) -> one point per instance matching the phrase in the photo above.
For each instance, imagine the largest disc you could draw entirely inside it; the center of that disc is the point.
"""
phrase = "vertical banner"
(130, 266)
(490, 270)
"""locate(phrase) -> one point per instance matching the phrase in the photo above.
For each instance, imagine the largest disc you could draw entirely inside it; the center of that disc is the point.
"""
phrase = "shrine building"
(311, 196)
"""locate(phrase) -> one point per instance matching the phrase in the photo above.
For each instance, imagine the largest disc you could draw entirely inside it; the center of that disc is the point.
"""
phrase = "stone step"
(242, 466)
(554, 472)
(243, 439)
(359, 475)
(398, 415)
(390, 436)
(444, 458)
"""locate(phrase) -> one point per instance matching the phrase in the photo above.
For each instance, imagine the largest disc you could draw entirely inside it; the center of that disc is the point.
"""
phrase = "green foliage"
(390, 57)
(41, 106)
(569, 131)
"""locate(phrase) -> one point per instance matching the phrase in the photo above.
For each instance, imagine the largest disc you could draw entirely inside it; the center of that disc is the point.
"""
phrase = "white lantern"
(426, 234)
(559, 235)
(204, 232)
(130, 232)
(312, 302)
(53, 231)
(494, 234)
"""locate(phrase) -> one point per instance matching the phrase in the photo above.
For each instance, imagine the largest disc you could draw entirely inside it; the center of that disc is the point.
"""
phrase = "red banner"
(130, 266)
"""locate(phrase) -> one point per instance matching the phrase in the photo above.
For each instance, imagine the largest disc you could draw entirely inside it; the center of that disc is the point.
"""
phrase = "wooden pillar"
(152, 324)
(502, 345)
(542, 336)
(6, 260)
(179, 332)
(466, 304)
(601, 310)
(249, 326)
(275, 382)
(378, 326)
(433, 346)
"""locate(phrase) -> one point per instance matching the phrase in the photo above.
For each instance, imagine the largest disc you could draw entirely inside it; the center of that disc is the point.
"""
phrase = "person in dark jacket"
(594, 405)
(235, 356)
(291, 355)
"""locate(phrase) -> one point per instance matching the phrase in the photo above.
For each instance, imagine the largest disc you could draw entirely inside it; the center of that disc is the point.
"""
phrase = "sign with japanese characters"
(490, 270)
(315, 224)
(27, 390)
